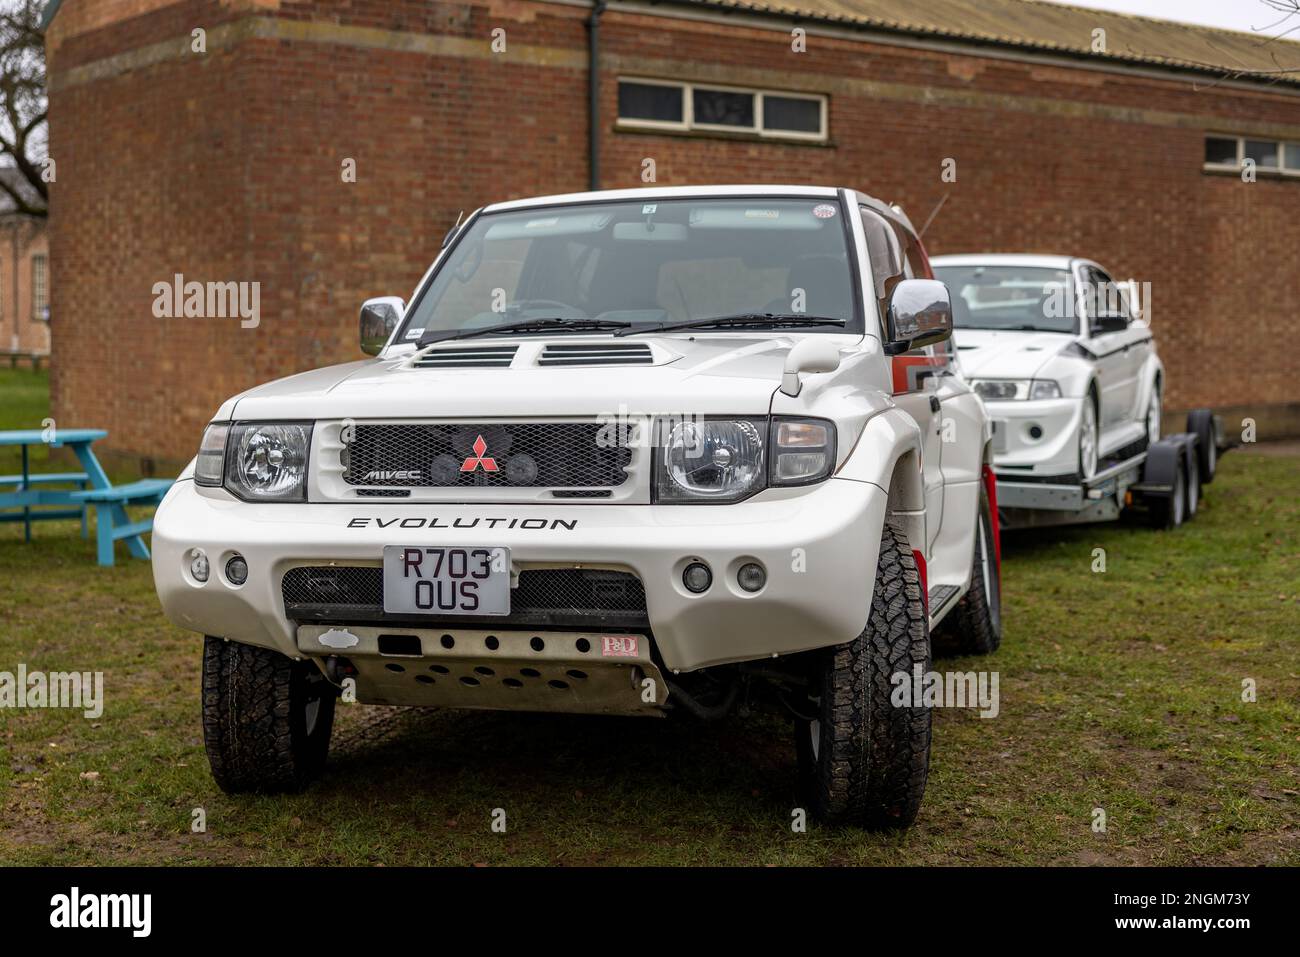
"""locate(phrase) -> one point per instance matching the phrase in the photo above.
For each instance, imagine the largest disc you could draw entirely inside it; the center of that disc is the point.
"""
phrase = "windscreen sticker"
(762, 213)
(649, 209)
(414, 333)
(823, 210)
(541, 223)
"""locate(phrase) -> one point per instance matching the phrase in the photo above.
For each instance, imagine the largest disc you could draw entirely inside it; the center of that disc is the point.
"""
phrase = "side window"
(885, 254)
(1103, 296)
(896, 255)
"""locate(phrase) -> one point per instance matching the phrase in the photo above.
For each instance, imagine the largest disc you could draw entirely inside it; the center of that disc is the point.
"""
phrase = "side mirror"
(1108, 322)
(379, 317)
(920, 314)
(808, 355)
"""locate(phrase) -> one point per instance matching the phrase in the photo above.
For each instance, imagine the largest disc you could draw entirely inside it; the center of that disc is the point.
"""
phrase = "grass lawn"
(1120, 690)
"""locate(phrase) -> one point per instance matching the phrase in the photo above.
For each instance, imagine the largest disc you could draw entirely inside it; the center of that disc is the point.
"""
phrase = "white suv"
(630, 452)
(1050, 342)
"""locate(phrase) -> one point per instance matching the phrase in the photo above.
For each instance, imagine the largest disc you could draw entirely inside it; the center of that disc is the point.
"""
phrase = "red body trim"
(925, 580)
(991, 490)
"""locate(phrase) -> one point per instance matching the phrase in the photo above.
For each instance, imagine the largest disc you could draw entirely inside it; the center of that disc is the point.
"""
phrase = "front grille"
(545, 596)
(515, 455)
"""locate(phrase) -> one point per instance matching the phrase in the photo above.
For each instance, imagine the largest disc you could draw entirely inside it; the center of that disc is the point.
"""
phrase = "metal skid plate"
(576, 672)
(1069, 498)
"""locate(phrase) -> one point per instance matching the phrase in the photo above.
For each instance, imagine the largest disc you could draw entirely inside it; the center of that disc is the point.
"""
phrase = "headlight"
(211, 461)
(995, 390)
(267, 461)
(710, 460)
(726, 460)
(803, 451)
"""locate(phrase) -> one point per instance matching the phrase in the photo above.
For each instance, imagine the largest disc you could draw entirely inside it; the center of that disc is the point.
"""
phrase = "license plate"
(424, 580)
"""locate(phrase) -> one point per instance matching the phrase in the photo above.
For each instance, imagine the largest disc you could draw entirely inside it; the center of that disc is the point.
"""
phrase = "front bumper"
(818, 546)
(1036, 437)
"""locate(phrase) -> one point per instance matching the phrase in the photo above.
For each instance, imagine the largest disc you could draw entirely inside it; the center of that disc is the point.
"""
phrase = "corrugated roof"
(1058, 28)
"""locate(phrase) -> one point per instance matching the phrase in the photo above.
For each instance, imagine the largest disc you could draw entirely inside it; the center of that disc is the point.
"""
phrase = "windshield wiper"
(751, 320)
(553, 323)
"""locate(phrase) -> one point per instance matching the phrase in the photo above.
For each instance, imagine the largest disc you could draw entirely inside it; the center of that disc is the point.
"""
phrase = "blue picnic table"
(91, 486)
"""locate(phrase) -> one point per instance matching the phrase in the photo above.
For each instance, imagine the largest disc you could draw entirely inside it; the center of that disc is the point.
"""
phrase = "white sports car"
(1068, 370)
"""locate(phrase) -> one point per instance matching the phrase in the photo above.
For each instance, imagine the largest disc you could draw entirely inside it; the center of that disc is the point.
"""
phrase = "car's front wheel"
(863, 760)
(266, 718)
(1153, 416)
(1088, 439)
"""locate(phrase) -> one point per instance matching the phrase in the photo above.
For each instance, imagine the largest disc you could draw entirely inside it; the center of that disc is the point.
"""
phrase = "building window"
(1269, 156)
(666, 105)
(40, 289)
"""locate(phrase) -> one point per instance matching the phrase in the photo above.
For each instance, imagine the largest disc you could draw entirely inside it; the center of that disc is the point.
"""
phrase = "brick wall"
(225, 165)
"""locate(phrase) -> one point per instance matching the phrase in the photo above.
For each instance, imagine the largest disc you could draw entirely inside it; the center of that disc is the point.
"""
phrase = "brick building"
(24, 274)
(213, 139)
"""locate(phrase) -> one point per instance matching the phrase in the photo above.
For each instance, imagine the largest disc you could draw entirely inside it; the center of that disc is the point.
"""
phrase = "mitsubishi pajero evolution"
(629, 452)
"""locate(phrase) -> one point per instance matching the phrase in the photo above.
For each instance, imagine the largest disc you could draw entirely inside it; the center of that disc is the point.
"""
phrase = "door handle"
(934, 403)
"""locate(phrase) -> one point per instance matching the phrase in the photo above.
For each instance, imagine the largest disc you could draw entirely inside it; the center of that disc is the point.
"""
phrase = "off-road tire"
(258, 726)
(974, 627)
(871, 760)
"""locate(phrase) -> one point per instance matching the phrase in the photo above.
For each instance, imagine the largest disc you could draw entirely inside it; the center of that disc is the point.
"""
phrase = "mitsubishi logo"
(477, 459)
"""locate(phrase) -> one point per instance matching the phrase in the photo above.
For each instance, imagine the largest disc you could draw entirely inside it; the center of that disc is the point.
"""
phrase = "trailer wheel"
(861, 759)
(1193, 484)
(974, 627)
(1200, 422)
(1168, 511)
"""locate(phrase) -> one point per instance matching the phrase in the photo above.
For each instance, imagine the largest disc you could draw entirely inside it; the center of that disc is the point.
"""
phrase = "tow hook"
(338, 668)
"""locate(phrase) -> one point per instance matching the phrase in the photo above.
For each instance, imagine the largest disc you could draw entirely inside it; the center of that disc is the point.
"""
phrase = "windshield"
(642, 263)
(1010, 297)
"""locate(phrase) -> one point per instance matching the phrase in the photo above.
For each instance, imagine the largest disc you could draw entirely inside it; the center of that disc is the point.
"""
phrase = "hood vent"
(467, 357)
(597, 354)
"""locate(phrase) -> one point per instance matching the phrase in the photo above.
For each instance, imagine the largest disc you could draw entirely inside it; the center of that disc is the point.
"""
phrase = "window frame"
(41, 288)
(759, 130)
(855, 328)
(1284, 149)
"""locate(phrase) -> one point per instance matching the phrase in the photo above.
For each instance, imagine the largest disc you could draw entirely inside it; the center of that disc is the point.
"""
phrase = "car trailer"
(1165, 479)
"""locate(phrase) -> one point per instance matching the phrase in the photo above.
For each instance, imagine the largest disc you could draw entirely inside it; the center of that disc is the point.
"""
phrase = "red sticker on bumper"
(618, 646)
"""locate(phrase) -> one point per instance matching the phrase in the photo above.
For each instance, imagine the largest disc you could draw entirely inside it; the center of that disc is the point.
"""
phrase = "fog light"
(751, 576)
(697, 578)
(199, 566)
(237, 571)
(1035, 432)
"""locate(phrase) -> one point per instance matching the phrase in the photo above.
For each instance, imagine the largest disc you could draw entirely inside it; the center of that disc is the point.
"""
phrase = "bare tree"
(1289, 11)
(23, 104)
(1286, 15)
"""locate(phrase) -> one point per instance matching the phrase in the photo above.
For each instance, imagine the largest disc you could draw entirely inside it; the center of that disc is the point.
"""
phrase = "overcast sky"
(1251, 16)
